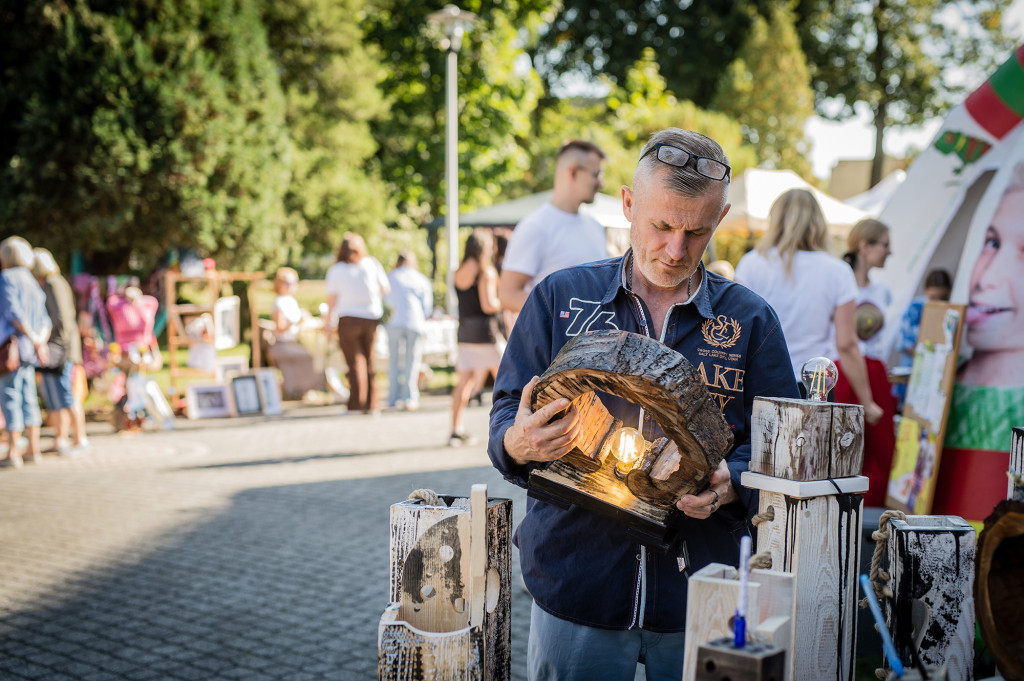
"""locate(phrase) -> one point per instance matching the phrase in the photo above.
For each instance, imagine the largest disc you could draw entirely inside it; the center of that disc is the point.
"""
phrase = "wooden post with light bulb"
(612, 471)
(806, 459)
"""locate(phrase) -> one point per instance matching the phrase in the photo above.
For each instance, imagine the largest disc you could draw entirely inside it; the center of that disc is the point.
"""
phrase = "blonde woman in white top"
(812, 292)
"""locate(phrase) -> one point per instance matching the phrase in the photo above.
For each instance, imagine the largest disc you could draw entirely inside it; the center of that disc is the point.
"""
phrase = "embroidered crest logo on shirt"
(721, 332)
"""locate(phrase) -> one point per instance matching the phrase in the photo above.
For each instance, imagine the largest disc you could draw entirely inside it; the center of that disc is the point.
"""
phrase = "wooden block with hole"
(815, 534)
(931, 576)
(804, 440)
(711, 598)
(450, 615)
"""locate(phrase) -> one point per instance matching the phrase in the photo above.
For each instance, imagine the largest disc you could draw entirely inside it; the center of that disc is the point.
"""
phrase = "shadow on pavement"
(285, 583)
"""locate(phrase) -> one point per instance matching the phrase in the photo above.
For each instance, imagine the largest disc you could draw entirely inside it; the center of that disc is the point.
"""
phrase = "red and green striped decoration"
(998, 105)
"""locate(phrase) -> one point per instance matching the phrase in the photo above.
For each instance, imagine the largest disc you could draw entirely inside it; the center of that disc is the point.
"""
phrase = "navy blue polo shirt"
(581, 566)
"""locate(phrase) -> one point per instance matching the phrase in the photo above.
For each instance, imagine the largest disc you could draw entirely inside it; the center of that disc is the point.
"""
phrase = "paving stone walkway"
(247, 548)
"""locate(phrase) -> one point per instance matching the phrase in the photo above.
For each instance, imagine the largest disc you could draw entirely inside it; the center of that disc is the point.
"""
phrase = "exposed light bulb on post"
(819, 375)
(626, 446)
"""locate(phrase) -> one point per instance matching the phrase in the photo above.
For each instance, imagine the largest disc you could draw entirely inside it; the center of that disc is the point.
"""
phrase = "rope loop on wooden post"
(881, 537)
(428, 497)
(763, 560)
(766, 517)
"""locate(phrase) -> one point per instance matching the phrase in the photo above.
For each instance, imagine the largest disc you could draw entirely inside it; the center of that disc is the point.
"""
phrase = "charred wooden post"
(662, 382)
(804, 440)
(450, 616)
(814, 532)
(999, 587)
(931, 573)
(712, 595)
(1015, 485)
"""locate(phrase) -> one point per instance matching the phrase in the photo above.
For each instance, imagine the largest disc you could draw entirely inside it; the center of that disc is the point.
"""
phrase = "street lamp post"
(453, 22)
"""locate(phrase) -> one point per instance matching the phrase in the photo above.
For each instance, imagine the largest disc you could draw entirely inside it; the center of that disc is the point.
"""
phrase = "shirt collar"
(701, 298)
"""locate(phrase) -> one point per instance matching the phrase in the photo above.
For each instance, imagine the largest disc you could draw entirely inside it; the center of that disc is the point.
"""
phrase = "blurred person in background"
(23, 315)
(289, 355)
(356, 286)
(556, 235)
(938, 285)
(722, 268)
(411, 300)
(867, 248)
(480, 341)
(813, 292)
(65, 352)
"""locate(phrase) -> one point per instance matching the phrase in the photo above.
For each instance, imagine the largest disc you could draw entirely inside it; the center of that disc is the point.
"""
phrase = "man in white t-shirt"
(556, 236)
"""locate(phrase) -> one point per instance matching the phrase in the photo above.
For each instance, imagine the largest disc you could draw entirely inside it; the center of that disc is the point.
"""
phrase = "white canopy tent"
(753, 193)
(874, 200)
(605, 209)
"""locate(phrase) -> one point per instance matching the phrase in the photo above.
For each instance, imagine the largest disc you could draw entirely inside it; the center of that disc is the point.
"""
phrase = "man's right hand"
(532, 438)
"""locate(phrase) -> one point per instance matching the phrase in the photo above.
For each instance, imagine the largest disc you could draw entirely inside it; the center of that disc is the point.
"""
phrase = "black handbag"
(10, 360)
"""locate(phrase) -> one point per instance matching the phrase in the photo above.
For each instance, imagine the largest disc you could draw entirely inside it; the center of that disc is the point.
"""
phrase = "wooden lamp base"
(601, 492)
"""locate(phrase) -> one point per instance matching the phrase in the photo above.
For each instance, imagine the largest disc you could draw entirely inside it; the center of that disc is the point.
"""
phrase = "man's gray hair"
(685, 181)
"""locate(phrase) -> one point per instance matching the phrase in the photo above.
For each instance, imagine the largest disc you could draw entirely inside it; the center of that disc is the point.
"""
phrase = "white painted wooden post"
(931, 576)
(450, 615)
(806, 459)
(711, 599)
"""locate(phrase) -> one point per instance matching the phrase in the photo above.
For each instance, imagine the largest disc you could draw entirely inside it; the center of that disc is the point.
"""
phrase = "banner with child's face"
(961, 208)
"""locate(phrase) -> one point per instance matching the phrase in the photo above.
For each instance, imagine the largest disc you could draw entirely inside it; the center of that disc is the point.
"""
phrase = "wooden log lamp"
(612, 470)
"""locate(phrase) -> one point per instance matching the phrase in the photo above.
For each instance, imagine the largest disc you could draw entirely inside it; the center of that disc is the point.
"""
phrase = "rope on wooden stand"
(427, 496)
(763, 560)
(878, 576)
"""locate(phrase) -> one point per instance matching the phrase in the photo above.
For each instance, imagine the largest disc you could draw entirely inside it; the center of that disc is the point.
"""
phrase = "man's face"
(588, 175)
(669, 232)
(995, 312)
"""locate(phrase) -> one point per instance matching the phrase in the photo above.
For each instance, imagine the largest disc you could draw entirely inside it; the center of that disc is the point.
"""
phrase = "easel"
(213, 281)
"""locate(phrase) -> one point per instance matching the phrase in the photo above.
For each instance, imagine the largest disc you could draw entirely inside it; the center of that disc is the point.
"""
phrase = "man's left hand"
(719, 494)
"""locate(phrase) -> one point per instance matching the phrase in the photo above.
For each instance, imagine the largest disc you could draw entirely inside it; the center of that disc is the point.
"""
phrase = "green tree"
(128, 127)
(330, 79)
(496, 98)
(767, 88)
(693, 42)
(623, 121)
(909, 60)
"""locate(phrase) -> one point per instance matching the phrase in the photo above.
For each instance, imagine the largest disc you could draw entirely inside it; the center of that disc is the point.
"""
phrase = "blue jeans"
(19, 400)
(405, 354)
(562, 651)
(57, 388)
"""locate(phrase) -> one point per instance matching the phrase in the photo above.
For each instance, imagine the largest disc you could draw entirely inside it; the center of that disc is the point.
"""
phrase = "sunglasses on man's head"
(679, 157)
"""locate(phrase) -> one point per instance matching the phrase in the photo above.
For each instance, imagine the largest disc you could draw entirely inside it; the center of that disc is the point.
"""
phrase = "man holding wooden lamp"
(603, 601)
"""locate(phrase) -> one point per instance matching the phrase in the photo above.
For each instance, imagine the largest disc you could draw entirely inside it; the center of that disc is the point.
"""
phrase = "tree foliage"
(767, 89)
(692, 42)
(496, 98)
(636, 109)
(909, 60)
(133, 126)
(330, 80)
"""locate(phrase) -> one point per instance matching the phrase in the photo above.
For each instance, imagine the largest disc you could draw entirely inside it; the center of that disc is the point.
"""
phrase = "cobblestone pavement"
(247, 548)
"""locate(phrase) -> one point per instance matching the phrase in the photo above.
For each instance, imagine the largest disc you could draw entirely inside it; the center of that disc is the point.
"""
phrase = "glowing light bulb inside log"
(626, 446)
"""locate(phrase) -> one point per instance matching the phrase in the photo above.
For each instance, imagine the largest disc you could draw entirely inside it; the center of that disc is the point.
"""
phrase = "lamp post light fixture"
(453, 23)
